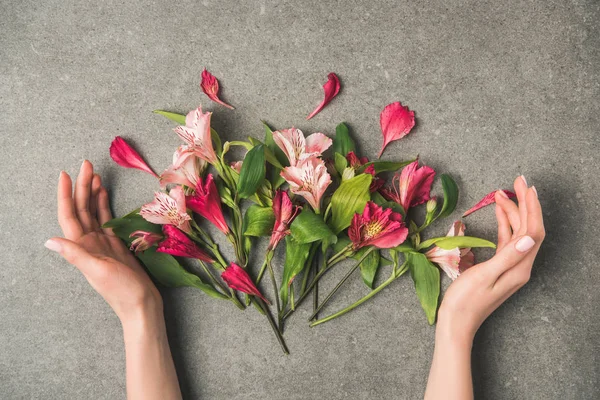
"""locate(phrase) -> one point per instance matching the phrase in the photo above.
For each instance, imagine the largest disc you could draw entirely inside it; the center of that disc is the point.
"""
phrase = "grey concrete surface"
(499, 89)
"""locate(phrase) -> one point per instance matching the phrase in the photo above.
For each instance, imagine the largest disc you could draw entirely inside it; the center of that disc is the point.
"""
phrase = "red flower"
(238, 279)
(178, 244)
(377, 227)
(285, 212)
(207, 202)
(143, 240)
(411, 187)
(124, 155)
(487, 200)
(331, 89)
(396, 122)
(355, 162)
(210, 87)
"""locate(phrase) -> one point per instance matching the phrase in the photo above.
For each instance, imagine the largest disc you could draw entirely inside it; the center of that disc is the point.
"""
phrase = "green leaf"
(378, 199)
(123, 227)
(452, 242)
(167, 271)
(350, 198)
(340, 163)
(269, 156)
(385, 166)
(258, 221)
(179, 118)
(450, 196)
(253, 172)
(309, 227)
(426, 277)
(405, 247)
(216, 141)
(369, 266)
(343, 143)
(296, 255)
(270, 143)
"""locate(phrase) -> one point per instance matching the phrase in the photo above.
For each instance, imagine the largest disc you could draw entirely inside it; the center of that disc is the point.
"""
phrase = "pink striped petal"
(124, 155)
(210, 87)
(487, 200)
(331, 89)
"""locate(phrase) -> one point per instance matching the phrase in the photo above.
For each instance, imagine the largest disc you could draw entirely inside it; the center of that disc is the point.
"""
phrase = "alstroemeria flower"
(178, 244)
(210, 87)
(124, 155)
(143, 240)
(454, 261)
(237, 166)
(297, 148)
(196, 135)
(238, 279)
(487, 200)
(308, 179)
(396, 122)
(207, 202)
(331, 89)
(168, 209)
(377, 227)
(285, 212)
(410, 187)
(355, 162)
(188, 172)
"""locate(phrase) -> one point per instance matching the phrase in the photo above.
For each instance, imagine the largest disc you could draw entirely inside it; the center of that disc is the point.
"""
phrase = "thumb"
(510, 255)
(72, 252)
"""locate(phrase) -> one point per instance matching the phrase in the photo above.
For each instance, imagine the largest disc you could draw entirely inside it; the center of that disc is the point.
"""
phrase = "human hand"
(101, 256)
(477, 292)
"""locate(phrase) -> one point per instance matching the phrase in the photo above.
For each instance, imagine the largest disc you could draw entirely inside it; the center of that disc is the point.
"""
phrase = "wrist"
(147, 318)
(454, 332)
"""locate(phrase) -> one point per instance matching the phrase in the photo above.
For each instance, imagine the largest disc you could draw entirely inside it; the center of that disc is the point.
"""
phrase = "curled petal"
(124, 155)
(238, 279)
(331, 89)
(210, 87)
(396, 122)
(178, 244)
(487, 200)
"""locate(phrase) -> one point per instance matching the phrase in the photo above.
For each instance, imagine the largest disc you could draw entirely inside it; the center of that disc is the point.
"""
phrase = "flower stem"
(275, 291)
(273, 325)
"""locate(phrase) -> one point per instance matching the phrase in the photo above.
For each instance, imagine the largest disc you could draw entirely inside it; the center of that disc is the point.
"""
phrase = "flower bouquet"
(313, 196)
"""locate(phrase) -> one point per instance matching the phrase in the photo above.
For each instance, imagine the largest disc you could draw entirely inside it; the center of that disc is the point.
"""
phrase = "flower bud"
(348, 173)
(431, 205)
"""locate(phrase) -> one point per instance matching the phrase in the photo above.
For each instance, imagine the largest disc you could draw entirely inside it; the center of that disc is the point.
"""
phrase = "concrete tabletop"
(499, 89)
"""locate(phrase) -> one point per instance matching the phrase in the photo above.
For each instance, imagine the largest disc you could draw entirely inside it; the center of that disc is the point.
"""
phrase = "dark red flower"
(178, 244)
(210, 87)
(331, 89)
(238, 279)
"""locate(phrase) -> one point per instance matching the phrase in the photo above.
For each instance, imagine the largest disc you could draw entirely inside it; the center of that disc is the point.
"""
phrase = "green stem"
(263, 268)
(275, 290)
(273, 325)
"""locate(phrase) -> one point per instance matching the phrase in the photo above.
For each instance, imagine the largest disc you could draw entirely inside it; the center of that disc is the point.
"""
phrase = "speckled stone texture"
(499, 89)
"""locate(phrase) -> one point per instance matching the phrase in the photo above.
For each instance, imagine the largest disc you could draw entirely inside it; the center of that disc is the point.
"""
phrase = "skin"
(116, 275)
(480, 290)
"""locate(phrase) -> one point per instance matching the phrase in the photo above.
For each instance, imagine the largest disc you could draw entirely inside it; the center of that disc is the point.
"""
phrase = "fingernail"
(534, 191)
(53, 245)
(524, 180)
(524, 244)
(501, 193)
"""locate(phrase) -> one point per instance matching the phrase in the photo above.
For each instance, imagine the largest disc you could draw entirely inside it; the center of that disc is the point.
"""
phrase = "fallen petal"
(487, 200)
(210, 87)
(331, 89)
(125, 155)
(396, 122)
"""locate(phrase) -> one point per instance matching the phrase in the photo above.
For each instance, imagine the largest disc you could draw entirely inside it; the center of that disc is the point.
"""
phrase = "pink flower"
(354, 161)
(124, 155)
(238, 279)
(196, 135)
(178, 244)
(297, 148)
(210, 87)
(377, 227)
(207, 202)
(396, 122)
(331, 89)
(487, 200)
(411, 187)
(308, 179)
(143, 240)
(168, 209)
(186, 174)
(237, 166)
(285, 212)
(454, 261)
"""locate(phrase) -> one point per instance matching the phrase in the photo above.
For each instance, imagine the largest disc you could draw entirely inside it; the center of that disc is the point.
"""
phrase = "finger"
(512, 253)
(535, 218)
(104, 213)
(511, 210)
(83, 190)
(74, 254)
(96, 185)
(67, 219)
(521, 191)
(504, 231)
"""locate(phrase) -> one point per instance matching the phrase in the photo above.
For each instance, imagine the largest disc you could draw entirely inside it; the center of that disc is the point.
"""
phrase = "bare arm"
(117, 276)
(483, 288)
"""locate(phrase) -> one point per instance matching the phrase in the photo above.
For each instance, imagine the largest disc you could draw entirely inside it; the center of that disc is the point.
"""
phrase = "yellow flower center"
(372, 229)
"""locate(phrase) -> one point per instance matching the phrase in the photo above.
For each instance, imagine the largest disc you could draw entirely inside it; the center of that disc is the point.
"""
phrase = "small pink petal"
(210, 87)
(331, 89)
(124, 155)
(396, 122)
(237, 278)
(487, 200)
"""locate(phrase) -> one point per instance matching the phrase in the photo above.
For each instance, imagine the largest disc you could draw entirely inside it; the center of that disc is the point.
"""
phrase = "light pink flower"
(207, 202)
(487, 200)
(411, 187)
(454, 261)
(196, 135)
(188, 172)
(237, 166)
(238, 279)
(377, 227)
(297, 148)
(308, 179)
(285, 212)
(331, 89)
(210, 87)
(178, 244)
(396, 122)
(143, 240)
(124, 155)
(168, 209)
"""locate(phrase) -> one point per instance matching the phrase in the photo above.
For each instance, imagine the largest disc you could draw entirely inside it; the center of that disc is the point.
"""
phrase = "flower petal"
(124, 155)
(396, 122)
(178, 244)
(331, 89)
(317, 143)
(210, 87)
(237, 278)
(487, 200)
